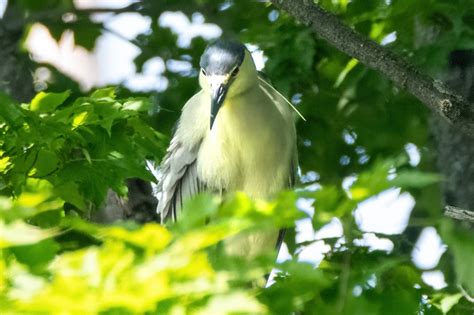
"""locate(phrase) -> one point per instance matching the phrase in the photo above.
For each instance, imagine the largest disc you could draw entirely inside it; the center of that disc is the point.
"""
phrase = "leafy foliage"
(62, 152)
(81, 147)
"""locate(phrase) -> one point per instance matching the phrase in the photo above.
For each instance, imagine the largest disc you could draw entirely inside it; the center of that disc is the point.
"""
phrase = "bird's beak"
(219, 88)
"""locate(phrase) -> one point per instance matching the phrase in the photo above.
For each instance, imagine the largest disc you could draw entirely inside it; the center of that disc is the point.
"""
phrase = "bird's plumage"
(250, 148)
(222, 57)
(179, 179)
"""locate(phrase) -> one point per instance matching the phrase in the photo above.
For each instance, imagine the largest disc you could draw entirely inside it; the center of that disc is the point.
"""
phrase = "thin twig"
(121, 36)
(55, 13)
(459, 214)
(344, 282)
(133, 7)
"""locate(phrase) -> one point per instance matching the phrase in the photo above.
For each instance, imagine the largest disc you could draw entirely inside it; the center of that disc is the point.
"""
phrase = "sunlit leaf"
(4, 163)
(19, 233)
(79, 119)
(150, 236)
(105, 93)
(237, 302)
(350, 65)
(47, 102)
(446, 302)
(138, 104)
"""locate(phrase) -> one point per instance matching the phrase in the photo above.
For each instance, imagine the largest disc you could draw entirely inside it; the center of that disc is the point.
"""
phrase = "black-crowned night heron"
(236, 134)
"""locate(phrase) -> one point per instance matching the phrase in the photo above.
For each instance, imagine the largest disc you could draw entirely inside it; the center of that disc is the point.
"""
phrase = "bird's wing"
(179, 179)
(293, 170)
(291, 184)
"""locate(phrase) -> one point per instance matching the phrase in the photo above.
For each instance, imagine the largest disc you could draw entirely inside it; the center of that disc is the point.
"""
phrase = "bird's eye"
(234, 73)
(203, 71)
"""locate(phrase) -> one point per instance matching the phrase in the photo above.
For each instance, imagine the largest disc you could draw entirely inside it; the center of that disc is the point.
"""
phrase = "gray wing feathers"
(179, 179)
(293, 173)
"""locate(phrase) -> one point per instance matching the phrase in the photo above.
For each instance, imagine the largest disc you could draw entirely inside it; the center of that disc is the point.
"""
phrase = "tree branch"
(430, 92)
(133, 7)
(459, 214)
(54, 14)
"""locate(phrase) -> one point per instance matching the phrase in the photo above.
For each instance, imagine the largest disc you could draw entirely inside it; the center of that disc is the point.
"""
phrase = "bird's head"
(227, 69)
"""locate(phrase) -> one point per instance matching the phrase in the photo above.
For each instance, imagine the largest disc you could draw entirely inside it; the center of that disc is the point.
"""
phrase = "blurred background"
(376, 167)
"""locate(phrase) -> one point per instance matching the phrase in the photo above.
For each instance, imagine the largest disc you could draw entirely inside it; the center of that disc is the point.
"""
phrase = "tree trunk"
(455, 149)
(15, 73)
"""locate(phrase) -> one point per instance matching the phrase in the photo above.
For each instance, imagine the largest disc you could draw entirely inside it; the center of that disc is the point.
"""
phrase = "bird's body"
(248, 146)
(245, 149)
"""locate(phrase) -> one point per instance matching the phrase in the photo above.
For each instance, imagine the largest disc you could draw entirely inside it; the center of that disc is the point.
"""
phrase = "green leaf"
(371, 181)
(47, 219)
(146, 136)
(141, 104)
(460, 240)
(34, 5)
(150, 236)
(37, 255)
(48, 102)
(108, 93)
(415, 179)
(233, 303)
(69, 191)
(9, 110)
(46, 163)
(349, 66)
(448, 301)
(330, 202)
(86, 33)
(199, 209)
(107, 114)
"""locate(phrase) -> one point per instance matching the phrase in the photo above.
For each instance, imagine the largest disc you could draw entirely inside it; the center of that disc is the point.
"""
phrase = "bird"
(237, 133)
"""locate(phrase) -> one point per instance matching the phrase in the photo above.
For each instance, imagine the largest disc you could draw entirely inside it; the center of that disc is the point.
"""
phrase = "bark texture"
(455, 149)
(139, 206)
(15, 74)
(459, 214)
